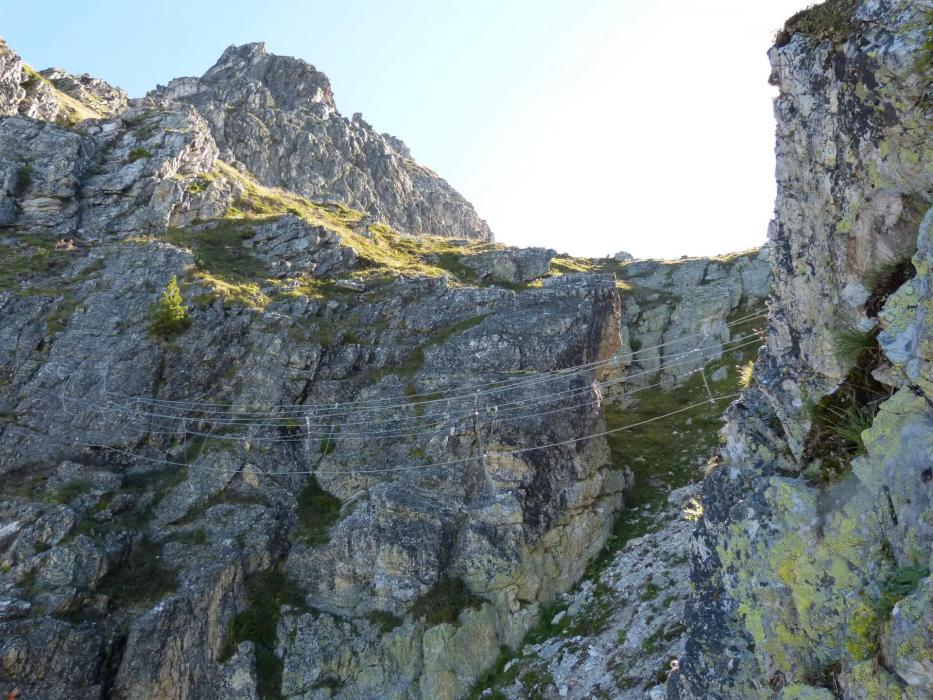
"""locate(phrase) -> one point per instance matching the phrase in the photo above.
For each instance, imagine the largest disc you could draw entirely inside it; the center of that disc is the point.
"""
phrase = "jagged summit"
(276, 116)
(293, 83)
(273, 116)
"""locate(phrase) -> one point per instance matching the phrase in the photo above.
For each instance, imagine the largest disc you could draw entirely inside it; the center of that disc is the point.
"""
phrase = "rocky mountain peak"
(275, 116)
(294, 84)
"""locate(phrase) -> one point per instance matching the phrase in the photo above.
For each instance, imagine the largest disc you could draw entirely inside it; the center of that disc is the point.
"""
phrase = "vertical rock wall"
(811, 562)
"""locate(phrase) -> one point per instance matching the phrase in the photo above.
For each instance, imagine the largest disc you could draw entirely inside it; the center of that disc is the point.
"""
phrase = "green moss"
(139, 580)
(318, 511)
(138, 153)
(266, 593)
(444, 602)
(66, 493)
(384, 621)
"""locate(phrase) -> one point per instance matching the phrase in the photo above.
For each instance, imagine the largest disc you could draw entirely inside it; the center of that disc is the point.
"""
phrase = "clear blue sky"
(590, 126)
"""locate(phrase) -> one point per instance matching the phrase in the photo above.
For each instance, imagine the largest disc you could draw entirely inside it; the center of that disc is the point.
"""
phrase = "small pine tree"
(169, 315)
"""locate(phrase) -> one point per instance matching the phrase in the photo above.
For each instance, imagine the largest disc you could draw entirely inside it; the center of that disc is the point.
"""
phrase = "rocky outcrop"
(812, 559)
(96, 94)
(53, 95)
(614, 636)
(511, 266)
(276, 116)
(138, 173)
(676, 307)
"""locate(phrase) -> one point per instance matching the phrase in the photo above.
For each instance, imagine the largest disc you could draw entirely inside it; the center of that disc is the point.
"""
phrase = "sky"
(588, 126)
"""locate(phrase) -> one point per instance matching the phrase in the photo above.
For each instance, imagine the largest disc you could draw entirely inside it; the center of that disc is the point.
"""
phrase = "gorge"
(279, 418)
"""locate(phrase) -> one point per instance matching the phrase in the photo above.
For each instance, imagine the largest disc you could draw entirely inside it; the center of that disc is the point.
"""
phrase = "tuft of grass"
(746, 373)
(444, 602)
(66, 493)
(693, 510)
(851, 344)
(838, 420)
(890, 274)
(138, 153)
(885, 278)
(868, 620)
(266, 593)
(318, 511)
(849, 424)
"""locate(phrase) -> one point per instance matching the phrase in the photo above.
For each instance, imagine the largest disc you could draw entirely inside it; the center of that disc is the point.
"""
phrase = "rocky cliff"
(258, 440)
(811, 562)
(254, 445)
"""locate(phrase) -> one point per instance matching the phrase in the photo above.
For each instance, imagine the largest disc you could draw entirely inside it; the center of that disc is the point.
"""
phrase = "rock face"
(276, 116)
(680, 314)
(302, 486)
(511, 266)
(53, 95)
(812, 559)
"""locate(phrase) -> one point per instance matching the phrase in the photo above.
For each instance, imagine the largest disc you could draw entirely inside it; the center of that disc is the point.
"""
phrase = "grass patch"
(137, 154)
(71, 111)
(838, 419)
(266, 593)
(833, 20)
(28, 258)
(318, 511)
(444, 602)
(66, 493)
